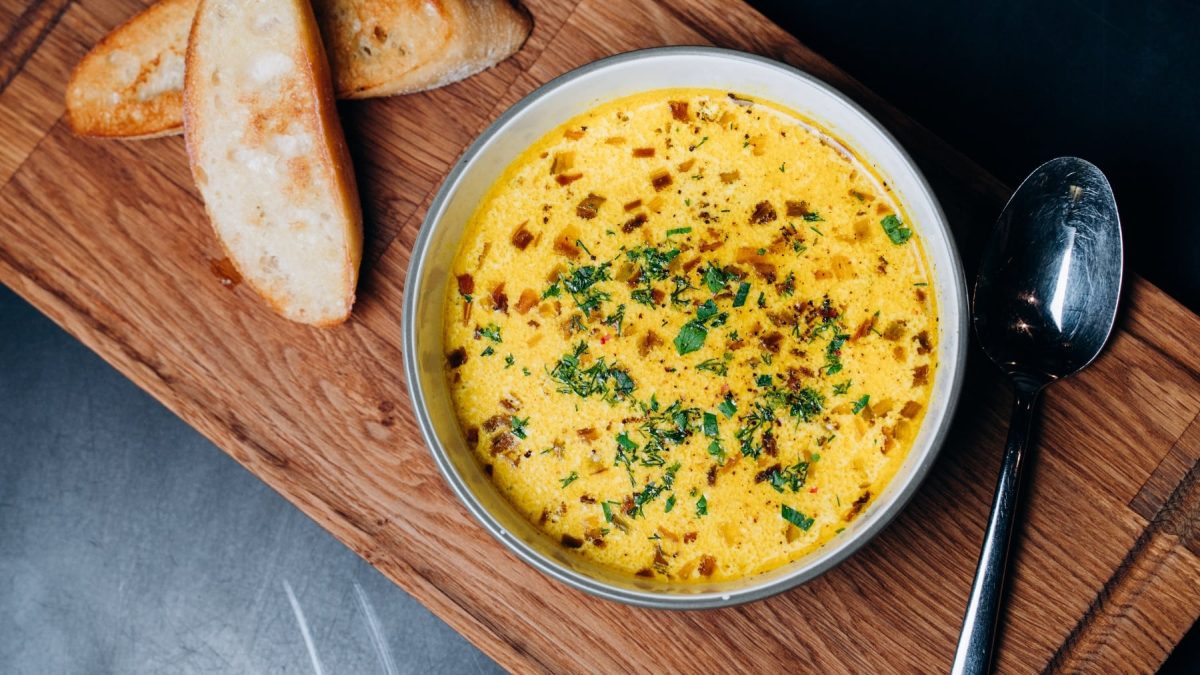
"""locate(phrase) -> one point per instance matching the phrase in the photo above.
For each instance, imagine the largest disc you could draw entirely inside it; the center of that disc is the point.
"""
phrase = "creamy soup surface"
(690, 336)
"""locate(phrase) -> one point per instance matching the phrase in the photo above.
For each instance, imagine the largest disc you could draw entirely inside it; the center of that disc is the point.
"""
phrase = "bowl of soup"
(684, 328)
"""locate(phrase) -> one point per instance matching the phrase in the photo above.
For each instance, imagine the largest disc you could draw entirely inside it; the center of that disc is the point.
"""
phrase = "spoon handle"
(974, 654)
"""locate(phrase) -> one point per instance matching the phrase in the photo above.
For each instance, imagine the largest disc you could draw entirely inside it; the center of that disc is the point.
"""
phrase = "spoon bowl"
(1046, 295)
(1044, 304)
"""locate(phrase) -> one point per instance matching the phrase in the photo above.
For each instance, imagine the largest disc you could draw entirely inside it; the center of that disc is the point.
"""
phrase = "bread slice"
(129, 85)
(387, 47)
(268, 155)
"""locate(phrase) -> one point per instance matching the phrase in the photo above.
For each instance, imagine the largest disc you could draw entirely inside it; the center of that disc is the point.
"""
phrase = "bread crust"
(130, 85)
(375, 48)
(269, 157)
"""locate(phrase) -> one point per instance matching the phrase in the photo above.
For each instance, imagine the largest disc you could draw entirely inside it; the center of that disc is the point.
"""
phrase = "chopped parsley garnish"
(702, 506)
(727, 407)
(895, 229)
(691, 337)
(805, 404)
(702, 142)
(816, 230)
(714, 365)
(763, 380)
(861, 403)
(788, 285)
(616, 319)
(715, 449)
(710, 425)
(715, 278)
(488, 351)
(799, 247)
(654, 263)
(518, 426)
(581, 282)
(624, 442)
(682, 285)
(796, 518)
(742, 291)
(760, 419)
(833, 354)
(509, 361)
(571, 478)
(609, 382)
(670, 504)
(606, 506)
(553, 292)
(813, 217)
(790, 478)
(491, 332)
(762, 300)
(678, 230)
(525, 371)
(653, 490)
(839, 389)
(661, 427)
(693, 333)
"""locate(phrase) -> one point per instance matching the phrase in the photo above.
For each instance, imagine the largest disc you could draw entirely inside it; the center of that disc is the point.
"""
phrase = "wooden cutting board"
(109, 239)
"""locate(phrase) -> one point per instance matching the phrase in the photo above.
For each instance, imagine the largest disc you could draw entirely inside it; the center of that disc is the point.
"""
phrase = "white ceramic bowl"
(577, 92)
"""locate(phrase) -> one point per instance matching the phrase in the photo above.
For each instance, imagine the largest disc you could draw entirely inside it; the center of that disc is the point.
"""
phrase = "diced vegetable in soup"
(690, 336)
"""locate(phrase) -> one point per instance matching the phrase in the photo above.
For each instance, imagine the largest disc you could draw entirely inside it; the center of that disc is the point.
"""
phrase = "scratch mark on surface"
(373, 630)
(304, 632)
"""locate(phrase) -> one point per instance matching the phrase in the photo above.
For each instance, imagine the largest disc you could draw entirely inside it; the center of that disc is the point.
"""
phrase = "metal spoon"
(1044, 305)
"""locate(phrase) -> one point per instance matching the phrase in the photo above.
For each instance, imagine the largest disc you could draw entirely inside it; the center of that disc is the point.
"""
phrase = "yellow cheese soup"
(690, 336)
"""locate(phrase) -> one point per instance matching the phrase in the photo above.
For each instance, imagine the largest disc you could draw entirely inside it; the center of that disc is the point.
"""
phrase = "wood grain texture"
(109, 239)
(25, 34)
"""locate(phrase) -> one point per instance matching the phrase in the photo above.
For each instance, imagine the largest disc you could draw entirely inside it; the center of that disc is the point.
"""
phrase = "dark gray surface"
(129, 543)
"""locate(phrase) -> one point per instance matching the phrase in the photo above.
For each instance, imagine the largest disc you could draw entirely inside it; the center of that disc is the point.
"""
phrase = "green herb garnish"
(796, 518)
(490, 331)
(616, 319)
(743, 290)
(581, 284)
(833, 354)
(693, 333)
(571, 478)
(691, 337)
(714, 365)
(702, 506)
(727, 407)
(678, 230)
(609, 382)
(518, 426)
(861, 403)
(790, 478)
(715, 278)
(895, 229)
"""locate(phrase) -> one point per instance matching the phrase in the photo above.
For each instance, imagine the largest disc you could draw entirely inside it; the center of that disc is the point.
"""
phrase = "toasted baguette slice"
(269, 157)
(387, 47)
(376, 48)
(131, 84)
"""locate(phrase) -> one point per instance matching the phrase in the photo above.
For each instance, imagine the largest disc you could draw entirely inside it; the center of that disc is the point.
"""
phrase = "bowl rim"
(642, 598)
